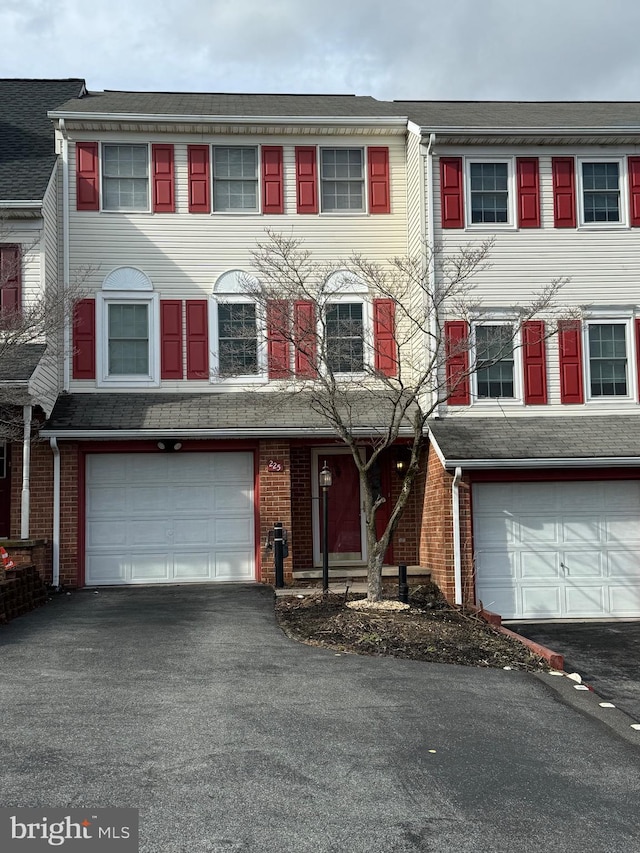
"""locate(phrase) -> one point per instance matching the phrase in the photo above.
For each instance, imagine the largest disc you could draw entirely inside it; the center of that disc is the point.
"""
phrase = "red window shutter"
(451, 192)
(171, 339)
(305, 339)
(10, 282)
(306, 180)
(456, 337)
(535, 363)
(528, 176)
(564, 194)
(634, 191)
(84, 339)
(278, 349)
(272, 179)
(87, 176)
(163, 179)
(384, 339)
(197, 339)
(199, 185)
(379, 196)
(570, 345)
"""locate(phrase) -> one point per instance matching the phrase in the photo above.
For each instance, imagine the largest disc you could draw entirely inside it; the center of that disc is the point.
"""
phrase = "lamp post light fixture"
(326, 480)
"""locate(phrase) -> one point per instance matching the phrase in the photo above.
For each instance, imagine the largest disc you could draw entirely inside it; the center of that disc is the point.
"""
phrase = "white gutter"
(26, 470)
(18, 203)
(431, 248)
(225, 434)
(66, 344)
(321, 121)
(56, 513)
(457, 130)
(547, 462)
(457, 551)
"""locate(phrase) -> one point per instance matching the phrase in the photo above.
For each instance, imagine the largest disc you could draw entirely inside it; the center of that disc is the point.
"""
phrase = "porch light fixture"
(169, 445)
(403, 458)
(326, 480)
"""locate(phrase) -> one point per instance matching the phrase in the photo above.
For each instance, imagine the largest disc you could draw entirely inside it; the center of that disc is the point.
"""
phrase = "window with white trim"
(235, 179)
(342, 186)
(601, 192)
(128, 324)
(347, 323)
(608, 359)
(490, 192)
(496, 376)
(236, 331)
(125, 177)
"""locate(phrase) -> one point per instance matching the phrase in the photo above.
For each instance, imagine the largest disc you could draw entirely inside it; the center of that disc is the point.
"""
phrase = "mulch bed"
(431, 630)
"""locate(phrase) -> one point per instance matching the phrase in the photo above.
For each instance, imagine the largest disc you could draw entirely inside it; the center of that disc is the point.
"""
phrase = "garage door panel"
(577, 555)
(539, 565)
(540, 601)
(162, 518)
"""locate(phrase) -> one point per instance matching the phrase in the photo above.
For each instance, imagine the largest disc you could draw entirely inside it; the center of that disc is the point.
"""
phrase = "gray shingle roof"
(521, 114)
(221, 104)
(18, 364)
(231, 414)
(501, 438)
(27, 152)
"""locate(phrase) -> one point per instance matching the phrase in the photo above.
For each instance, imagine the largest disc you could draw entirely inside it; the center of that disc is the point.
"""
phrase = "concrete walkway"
(191, 705)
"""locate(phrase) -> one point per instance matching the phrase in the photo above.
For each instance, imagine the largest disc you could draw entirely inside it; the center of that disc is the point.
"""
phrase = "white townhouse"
(537, 455)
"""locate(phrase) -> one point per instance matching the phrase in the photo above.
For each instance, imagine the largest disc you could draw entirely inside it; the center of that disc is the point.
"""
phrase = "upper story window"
(237, 331)
(342, 180)
(344, 325)
(489, 192)
(601, 197)
(125, 177)
(495, 376)
(128, 324)
(608, 359)
(235, 179)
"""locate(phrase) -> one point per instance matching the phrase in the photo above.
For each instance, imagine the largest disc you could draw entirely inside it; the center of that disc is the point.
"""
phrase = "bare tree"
(399, 373)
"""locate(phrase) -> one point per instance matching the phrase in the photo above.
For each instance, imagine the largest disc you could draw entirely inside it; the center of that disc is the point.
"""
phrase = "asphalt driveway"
(190, 704)
(606, 655)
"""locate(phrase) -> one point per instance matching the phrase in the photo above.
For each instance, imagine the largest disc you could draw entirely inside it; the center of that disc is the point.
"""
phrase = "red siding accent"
(84, 339)
(163, 179)
(535, 362)
(306, 180)
(199, 184)
(456, 337)
(570, 345)
(305, 338)
(384, 341)
(171, 366)
(272, 179)
(564, 194)
(10, 282)
(87, 176)
(634, 191)
(528, 177)
(379, 195)
(278, 349)
(451, 192)
(197, 339)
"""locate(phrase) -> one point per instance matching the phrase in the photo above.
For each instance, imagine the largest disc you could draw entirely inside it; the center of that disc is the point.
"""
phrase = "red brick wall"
(275, 502)
(301, 508)
(69, 485)
(407, 535)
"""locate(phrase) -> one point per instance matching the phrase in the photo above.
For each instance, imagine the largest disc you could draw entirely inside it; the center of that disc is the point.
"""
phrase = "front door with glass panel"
(346, 533)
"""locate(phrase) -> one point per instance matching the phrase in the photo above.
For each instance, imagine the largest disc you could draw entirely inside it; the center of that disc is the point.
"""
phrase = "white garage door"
(169, 518)
(558, 550)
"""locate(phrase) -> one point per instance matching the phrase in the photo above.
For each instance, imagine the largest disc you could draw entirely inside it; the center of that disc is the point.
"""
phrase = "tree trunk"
(374, 575)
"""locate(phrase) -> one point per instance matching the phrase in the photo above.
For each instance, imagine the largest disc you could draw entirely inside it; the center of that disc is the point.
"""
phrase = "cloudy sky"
(404, 49)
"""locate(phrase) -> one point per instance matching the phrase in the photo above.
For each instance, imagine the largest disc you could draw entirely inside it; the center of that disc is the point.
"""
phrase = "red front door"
(344, 528)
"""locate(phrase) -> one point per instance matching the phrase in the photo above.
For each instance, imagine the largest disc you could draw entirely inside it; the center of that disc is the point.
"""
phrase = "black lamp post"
(325, 483)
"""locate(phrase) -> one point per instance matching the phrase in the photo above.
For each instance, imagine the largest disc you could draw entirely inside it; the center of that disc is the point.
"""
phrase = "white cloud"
(517, 49)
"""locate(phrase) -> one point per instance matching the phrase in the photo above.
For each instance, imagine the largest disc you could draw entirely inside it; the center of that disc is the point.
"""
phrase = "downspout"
(457, 550)
(56, 513)
(66, 372)
(431, 248)
(26, 472)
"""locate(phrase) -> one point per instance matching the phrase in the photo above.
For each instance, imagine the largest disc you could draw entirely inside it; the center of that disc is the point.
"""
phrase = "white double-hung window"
(125, 177)
(497, 374)
(342, 186)
(235, 179)
(490, 192)
(602, 192)
(608, 347)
